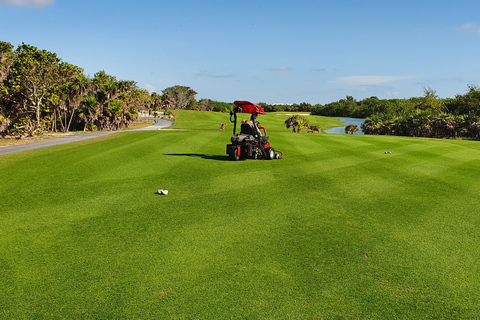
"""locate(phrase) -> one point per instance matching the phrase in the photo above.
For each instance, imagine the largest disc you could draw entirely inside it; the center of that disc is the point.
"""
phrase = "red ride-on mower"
(250, 142)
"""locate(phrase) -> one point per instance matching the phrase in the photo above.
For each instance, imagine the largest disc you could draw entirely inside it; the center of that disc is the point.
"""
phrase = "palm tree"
(351, 128)
(89, 111)
(107, 89)
(292, 122)
(115, 111)
(167, 102)
(76, 91)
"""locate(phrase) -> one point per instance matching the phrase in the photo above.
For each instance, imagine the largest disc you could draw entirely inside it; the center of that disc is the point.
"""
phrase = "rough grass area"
(336, 230)
(140, 123)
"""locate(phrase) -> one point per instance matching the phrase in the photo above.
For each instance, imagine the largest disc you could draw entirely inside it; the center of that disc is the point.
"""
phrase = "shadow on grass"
(198, 155)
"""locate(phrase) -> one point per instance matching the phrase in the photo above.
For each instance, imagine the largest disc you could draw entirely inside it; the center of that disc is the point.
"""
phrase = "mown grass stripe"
(336, 229)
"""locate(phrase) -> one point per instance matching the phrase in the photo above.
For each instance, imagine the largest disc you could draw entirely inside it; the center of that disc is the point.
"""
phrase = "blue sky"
(262, 51)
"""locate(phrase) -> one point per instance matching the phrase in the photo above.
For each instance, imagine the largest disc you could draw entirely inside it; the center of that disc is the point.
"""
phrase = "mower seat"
(242, 138)
(247, 128)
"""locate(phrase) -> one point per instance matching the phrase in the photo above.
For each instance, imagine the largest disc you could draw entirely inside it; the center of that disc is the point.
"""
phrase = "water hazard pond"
(346, 121)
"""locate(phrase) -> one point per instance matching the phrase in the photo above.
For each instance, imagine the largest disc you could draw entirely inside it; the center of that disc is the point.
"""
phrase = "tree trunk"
(70, 121)
(37, 111)
(54, 120)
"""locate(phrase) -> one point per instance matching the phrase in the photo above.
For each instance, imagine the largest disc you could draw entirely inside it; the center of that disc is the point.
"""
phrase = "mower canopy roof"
(249, 107)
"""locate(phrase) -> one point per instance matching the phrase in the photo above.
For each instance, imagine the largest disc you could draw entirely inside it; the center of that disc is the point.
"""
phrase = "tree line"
(431, 117)
(40, 92)
(426, 116)
(385, 109)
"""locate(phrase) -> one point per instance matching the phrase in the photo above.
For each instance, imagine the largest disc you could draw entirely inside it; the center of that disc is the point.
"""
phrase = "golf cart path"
(159, 124)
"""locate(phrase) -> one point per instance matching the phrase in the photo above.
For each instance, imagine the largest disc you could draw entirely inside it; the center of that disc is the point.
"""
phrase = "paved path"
(159, 124)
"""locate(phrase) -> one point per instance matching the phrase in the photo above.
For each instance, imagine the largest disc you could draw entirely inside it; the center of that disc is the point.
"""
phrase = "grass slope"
(337, 229)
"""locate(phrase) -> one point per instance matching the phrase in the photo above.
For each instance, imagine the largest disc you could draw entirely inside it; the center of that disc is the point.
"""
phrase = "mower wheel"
(234, 156)
(270, 152)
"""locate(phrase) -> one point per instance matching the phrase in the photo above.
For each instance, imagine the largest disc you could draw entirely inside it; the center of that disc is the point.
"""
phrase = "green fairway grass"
(336, 230)
(273, 122)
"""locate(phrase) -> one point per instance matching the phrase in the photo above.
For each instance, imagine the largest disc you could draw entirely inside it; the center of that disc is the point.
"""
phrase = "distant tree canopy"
(426, 116)
(181, 97)
(6, 59)
(431, 117)
(211, 105)
(39, 92)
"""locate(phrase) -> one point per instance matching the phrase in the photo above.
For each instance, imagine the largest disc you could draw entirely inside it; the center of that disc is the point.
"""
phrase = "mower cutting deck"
(250, 143)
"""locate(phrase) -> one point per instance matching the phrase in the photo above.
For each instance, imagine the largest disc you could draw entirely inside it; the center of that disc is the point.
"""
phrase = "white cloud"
(471, 28)
(393, 94)
(150, 88)
(369, 80)
(281, 69)
(28, 3)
